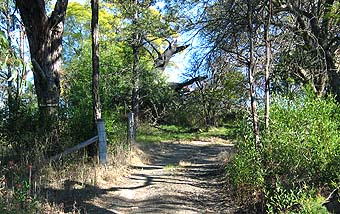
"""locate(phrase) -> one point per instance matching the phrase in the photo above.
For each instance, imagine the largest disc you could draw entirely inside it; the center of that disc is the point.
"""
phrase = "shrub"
(299, 151)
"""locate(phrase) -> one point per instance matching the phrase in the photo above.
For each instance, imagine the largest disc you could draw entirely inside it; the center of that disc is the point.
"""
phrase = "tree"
(45, 40)
(315, 33)
(268, 61)
(116, 65)
(251, 73)
(147, 26)
(232, 28)
(95, 61)
(136, 44)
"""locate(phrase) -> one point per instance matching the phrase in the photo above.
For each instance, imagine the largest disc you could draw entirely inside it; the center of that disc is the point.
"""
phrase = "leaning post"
(102, 143)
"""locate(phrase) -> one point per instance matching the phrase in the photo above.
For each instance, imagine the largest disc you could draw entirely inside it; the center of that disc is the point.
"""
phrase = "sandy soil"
(181, 177)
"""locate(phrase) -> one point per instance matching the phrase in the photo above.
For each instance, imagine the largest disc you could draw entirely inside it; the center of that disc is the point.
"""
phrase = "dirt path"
(181, 177)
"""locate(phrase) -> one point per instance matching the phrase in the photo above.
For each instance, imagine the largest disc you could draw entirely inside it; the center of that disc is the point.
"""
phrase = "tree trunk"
(10, 99)
(95, 62)
(135, 90)
(22, 76)
(96, 105)
(268, 59)
(135, 99)
(251, 73)
(45, 40)
(319, 33)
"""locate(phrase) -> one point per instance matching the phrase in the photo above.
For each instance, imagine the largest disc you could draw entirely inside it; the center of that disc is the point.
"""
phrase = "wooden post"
(131, 129)
(102, 142)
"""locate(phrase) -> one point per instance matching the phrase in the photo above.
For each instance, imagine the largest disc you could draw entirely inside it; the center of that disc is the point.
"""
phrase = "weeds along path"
(180, 177)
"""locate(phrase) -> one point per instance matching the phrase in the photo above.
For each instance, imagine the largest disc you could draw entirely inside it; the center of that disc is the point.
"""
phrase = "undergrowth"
(62, 186)
(298, 162)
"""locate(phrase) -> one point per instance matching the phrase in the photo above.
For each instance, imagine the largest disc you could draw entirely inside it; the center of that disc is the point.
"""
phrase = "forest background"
(266, 71)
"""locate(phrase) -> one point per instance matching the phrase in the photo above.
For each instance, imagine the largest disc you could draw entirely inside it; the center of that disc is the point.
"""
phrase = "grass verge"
(167, 133)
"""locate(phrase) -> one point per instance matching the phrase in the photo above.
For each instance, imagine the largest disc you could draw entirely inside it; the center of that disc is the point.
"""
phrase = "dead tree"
(163, 59)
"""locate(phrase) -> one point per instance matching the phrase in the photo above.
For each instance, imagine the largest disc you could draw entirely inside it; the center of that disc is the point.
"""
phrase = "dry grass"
(225, 157)
(82, 175)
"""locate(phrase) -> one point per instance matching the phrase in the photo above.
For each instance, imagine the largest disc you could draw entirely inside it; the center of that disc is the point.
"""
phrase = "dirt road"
(180, 177)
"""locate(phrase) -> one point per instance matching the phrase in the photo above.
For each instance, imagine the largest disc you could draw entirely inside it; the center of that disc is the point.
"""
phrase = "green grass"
(166, 133)
(171, 167)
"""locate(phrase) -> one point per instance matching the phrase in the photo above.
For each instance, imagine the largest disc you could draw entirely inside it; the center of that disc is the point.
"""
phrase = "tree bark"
(10, 99)
(163, 59)
(251, 73)
(45, 41)
(95, 62)
(96, 105)
(334, 77)
(135, 98)
(268, 59)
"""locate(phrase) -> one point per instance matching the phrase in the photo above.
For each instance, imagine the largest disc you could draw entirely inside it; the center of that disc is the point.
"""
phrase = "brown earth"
(179, 177)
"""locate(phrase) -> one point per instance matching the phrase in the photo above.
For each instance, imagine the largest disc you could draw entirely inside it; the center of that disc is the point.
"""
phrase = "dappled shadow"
(172, 153)
(73, 196)
(171, 164)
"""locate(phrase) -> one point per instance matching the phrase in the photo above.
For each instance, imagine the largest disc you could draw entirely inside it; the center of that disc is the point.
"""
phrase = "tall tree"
(45, 41)
(135, 45)
(10, 86)
(95, 60)
(146, 25)
(96, 105)
(268, 59)
(251, 73)
(315, 32)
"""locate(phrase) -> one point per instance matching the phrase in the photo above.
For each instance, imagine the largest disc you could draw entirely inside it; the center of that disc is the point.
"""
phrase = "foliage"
(16, 191)
(296, 200)
(300, 149)
(165, 133)
(115, 71)
(210, 102)
(299, 153)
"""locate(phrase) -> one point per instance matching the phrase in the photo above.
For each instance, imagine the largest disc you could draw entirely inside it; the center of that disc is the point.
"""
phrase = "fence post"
(102, 141)
(131, 127)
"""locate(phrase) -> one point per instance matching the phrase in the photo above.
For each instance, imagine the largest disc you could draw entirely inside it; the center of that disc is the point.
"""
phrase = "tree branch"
(32, 11)
(153, 47)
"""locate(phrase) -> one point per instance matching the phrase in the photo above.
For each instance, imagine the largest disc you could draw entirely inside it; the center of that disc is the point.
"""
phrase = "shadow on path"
(180, 178)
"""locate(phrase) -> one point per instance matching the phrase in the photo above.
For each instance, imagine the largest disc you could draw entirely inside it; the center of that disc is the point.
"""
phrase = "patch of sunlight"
(184, 163)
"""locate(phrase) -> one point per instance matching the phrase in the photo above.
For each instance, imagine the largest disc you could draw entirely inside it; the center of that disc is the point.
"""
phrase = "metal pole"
(102, 141)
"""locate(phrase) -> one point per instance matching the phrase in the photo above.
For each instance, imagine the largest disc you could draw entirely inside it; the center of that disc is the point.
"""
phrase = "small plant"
(171, 167)
(16, 195)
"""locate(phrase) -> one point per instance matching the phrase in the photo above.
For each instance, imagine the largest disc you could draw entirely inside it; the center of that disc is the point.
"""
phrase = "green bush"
(303, 143)
(301, 150)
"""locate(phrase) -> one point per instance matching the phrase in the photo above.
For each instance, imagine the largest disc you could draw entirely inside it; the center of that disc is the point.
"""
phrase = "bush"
(300, 150)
